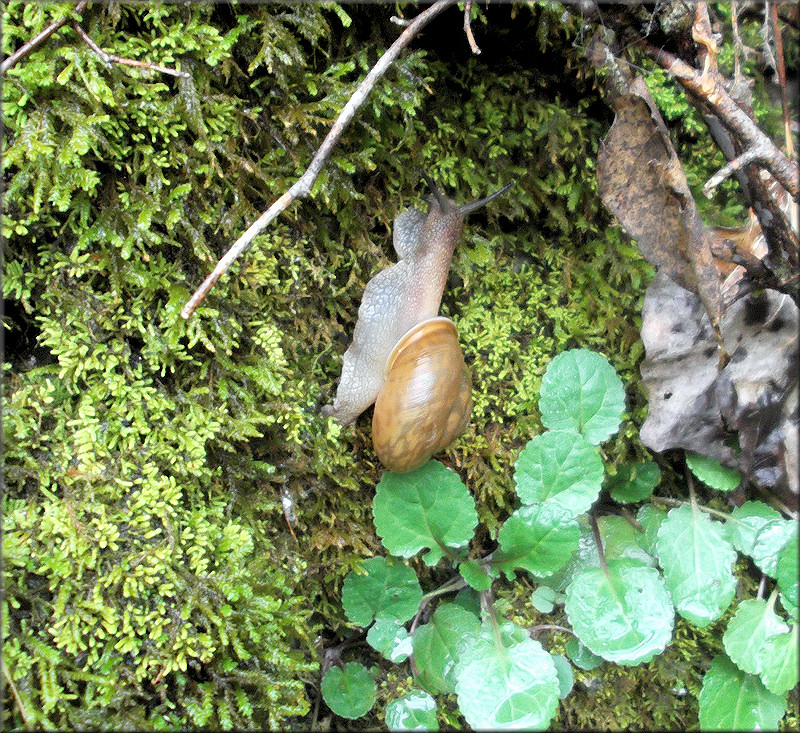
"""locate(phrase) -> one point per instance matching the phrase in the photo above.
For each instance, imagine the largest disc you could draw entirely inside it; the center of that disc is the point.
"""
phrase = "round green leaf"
(779, 662)
(539, 538)
(697, 561)
(753, 623)
(734, 700)
(625, 616)
(788, 571)
(566, 677)
(440, 642)
(634, 481)
(475, 575)
(561, 467)
(582, 391)
(390, 639)
(581, 656)
(349, 691)
(427, 508)
(414, 711)
(712, 473)
(506, 681)
(543, 599)
(385, 592)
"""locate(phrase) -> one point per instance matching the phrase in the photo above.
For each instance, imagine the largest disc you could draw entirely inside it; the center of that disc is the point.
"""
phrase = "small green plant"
(620, 582)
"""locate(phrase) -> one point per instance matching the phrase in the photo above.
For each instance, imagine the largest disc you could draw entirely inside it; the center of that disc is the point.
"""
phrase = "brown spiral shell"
(426, 400)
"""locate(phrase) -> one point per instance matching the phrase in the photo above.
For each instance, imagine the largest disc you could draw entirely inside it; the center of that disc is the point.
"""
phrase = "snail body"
(395, 301)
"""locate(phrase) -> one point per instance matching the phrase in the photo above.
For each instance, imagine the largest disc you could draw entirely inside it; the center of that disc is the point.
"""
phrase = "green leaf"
(543, 599)
(712, 473)
(439, 643)
(539, 538)
(697, 562)
(746, 521)
(566, 677)
(387, 591)
(390, 639)
(625, 616)
(475, 575)
(506, 680)
(734, 700)
(470, 600)
(427, 508)
(770, 541)
(621, 540)
(753, 623)
(560, 467)
(634, 482)
(414, 711)
(581, 656)
(650, 519)
(349, 691)
(779, 662)
(788, 571)
(582, 391)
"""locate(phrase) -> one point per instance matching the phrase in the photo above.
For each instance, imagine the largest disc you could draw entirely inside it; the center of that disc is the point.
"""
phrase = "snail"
(404, 357)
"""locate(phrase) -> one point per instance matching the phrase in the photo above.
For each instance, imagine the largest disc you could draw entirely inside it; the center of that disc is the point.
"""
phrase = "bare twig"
(27, 47)
(109, 57)
(553, 627)
(304, 184)
(760, 154)
(781, 69)
(23, 711)
(468, 28)
(708, 88)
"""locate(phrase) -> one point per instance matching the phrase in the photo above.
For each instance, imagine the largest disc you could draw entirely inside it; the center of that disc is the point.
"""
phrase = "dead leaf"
(642, 182)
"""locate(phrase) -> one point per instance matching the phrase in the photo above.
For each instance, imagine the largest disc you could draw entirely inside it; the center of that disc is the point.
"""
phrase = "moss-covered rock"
(178, 516)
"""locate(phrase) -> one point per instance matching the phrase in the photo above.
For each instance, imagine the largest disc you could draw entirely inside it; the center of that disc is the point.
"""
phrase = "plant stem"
(599, 540)
(27, 47)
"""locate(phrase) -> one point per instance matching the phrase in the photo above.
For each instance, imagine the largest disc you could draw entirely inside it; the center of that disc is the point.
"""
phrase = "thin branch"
(303, 186)
(781, 69)
(553, 627)
(109, 57)
(709, 89)
(468, 28)
(760, 154)
(23, 712)
(27, 47)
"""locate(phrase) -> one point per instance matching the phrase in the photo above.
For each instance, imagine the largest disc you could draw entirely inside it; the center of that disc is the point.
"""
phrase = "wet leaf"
(385, 592)
(427, 508)
(697, 561)
(559, 466)
(734, 700)
(582, 391)
(625, 616)
(414, 711)
(349, 691)
(507, 681)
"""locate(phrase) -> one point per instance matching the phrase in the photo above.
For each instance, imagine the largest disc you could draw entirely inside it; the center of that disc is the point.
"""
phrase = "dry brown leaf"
(642, 182)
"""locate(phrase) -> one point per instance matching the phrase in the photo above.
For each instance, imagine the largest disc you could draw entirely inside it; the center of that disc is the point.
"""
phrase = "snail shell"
(426, 400)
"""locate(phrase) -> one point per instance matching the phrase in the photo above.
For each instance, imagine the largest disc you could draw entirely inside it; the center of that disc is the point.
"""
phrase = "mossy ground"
(155, 576)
